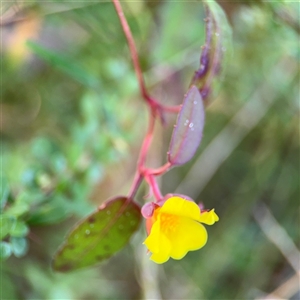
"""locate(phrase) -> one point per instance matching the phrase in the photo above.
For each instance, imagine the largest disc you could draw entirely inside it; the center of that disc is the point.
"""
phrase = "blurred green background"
(72, 122)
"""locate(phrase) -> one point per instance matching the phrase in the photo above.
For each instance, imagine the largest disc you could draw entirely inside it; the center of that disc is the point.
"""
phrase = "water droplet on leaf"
(87, 232)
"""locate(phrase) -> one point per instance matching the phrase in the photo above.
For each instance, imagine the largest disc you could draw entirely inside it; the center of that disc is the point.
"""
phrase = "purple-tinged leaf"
(215, 50)
(187, 133)
(99, 235)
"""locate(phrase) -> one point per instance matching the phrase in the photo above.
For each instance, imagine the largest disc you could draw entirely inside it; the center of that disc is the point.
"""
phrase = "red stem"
(146, 143)
(141, 161)
(133, 51)
(155, 108)
(136, 64)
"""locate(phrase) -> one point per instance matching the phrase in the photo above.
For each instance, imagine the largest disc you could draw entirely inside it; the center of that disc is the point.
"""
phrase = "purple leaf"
(187, 133)
(215, 50)
(99, 235)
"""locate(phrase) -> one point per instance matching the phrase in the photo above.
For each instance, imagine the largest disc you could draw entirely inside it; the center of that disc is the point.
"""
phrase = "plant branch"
(135, 185)
(159, 171)
(141, 170)
(157, 107)
(146, 143)
(133, 51)
(154, 186)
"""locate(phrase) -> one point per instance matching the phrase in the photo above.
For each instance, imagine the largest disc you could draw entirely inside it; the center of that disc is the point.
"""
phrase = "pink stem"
(133, 51)
(160, 170)
(138, 178)
(156, 109)
(174, 109)
(154, 187)
(146, 143)
(135, 59)
(143, 154)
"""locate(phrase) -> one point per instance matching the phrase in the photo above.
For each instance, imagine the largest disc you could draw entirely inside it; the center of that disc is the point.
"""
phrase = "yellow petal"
(164, 254)
(181, 207)
(152, 241)
(209, 217)
(190, 236)
(158, 244)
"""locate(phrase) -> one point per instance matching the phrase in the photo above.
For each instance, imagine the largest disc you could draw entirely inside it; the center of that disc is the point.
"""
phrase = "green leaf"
(99, 236)
(6, 224)
(5, 250)
(19, 246)
(4, 192)
(19, 230)
(53, 210)
(19, 208)
(64, 64)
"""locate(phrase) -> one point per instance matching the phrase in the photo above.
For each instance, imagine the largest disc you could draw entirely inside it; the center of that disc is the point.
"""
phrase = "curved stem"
(161, 170)
(154, 187)
(146, 143)
(156, 109)
(133, 51)
(173, 109)
(138, 178)
(156, 106)
(141, 161)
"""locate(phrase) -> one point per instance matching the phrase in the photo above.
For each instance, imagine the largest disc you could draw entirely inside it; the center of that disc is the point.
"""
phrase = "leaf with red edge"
(99, 235)
(187, 133)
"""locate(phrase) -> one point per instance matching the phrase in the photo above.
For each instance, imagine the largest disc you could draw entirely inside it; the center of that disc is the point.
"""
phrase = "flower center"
(169, 223)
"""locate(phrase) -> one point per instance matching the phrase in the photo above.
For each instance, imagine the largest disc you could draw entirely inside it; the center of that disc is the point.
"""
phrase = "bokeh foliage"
(71, 117)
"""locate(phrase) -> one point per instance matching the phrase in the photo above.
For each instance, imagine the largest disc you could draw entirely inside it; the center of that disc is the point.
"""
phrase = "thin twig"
(161, 170)
(138, 178)
(154, 187)
(146, 143)
(157, 108)
(132, 48)
(142, 158)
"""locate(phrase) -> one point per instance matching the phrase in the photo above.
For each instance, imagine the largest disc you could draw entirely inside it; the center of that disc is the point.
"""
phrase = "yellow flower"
(176, 229)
